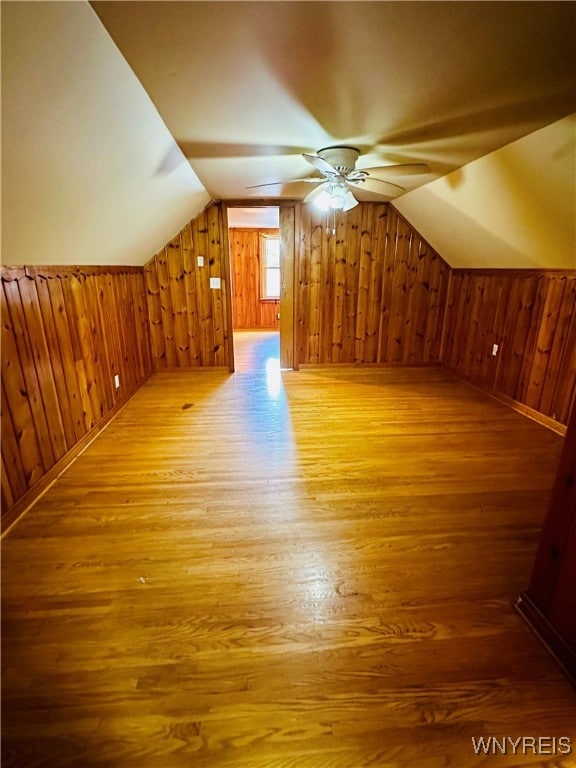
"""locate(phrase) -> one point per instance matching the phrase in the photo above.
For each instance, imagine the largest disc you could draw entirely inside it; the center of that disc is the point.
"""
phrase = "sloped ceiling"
(515, 207)
(92, 172)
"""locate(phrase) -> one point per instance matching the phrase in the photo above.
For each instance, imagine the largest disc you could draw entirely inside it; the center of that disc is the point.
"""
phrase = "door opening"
(262, 249)
(254, 243)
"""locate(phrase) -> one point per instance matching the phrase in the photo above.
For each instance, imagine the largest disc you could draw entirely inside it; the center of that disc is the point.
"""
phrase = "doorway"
(261, 249)
(256, 351)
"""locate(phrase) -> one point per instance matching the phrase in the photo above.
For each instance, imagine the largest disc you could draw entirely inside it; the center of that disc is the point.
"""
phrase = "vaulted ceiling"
(122, 119)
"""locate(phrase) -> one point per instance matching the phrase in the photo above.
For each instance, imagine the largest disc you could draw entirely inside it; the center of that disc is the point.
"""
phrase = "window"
(270, 266)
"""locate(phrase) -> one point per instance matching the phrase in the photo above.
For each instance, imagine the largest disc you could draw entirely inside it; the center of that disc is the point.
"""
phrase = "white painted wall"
(90, 173)
(513, 208)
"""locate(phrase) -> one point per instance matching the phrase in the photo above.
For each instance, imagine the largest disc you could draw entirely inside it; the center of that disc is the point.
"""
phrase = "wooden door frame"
(289, 218)
(227, 269)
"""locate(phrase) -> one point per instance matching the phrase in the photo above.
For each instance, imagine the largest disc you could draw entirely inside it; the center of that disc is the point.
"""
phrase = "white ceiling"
(254, 217)
(121, 120)
(246, 87)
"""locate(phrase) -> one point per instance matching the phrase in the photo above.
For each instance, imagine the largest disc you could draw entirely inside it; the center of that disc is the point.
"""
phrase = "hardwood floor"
(310, 569)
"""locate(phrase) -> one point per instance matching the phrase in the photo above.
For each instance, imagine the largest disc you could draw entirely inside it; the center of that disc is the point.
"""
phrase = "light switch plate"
(200, 261)
(215, 282)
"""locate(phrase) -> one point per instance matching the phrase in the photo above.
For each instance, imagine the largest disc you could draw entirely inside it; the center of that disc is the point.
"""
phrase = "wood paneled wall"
(549, 603)
(190, 323)
(66, 332)
(248, 309)
(373, 292)
(532, 318)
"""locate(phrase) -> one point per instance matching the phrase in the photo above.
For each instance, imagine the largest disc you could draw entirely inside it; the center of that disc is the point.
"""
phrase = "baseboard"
(312, 366)
(32, 495)
(194, 369)
(563, 653)
(516, 405)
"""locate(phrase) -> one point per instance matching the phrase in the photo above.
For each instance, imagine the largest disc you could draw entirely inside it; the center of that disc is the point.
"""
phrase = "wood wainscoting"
(371, 291)
(310, 569)
(531, 316)
(66, 333)
(190, 320)
(365, 288)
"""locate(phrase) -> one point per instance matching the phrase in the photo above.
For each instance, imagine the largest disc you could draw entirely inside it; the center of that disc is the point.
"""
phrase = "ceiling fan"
(338, 168)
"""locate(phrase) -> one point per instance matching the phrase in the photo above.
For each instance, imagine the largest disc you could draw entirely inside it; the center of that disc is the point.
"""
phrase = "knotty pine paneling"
(248, 309)
(189, 321)
(66, 332)
(372, 292)
(532, 318)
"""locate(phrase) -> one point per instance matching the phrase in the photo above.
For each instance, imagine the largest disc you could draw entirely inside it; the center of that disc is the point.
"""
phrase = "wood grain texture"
(549, 603)
(305, 570)
(189, 321)
(552, 585)
(370, 290)
(249, 310)
(289, 223)
(374, 292)
(532, 318)
(65, 334)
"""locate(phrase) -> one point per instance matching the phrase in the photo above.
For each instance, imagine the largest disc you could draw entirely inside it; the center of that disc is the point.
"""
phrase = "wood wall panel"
(532, 318)
(249, 310)
(369, 289)
(65, 334)
(549, 603)
(189, 321)
(289, 222)
(366, 290)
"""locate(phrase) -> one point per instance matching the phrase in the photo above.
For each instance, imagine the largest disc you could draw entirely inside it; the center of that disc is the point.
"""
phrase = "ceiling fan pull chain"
(333, 210)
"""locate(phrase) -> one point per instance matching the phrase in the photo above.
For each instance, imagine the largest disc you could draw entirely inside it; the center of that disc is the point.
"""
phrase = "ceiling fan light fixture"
(332, 196)
(337, 166)
(337, 197)
(320, 198)
(349, 201)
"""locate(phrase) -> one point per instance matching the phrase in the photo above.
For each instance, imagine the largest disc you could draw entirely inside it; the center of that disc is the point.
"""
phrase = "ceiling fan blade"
(316, 192)
(321, 165)
(308, 180)
(205, 150)
(378, 186)
(398, 169)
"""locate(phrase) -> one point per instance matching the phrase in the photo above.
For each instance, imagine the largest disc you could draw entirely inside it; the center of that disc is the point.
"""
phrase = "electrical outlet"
(215, 283)
(494, 350)
(200, 261)
(117, 381)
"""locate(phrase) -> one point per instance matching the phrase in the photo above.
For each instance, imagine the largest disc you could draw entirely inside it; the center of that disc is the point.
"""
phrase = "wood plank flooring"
(307, 569)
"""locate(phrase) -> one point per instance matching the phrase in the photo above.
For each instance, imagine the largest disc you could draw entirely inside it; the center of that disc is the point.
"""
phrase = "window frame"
(264, 295)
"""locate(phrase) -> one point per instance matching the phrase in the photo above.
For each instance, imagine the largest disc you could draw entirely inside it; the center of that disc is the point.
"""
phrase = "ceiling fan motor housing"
(343, 159)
